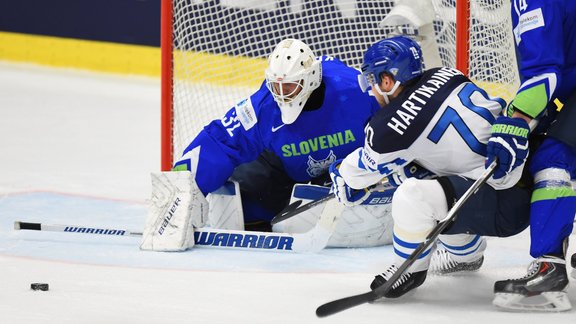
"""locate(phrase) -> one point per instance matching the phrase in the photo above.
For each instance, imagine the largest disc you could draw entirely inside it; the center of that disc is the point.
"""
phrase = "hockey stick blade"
(339, 305)
(294, 208)
(342, 304)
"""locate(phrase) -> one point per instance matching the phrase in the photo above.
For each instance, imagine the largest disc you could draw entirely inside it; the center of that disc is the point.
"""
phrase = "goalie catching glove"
(177, 206)
(509, 143)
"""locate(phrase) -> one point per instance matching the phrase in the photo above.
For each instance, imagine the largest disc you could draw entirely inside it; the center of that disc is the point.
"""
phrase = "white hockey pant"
(417, 206)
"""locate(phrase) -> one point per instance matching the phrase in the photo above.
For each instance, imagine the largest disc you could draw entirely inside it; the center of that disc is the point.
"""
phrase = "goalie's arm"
(217, 150)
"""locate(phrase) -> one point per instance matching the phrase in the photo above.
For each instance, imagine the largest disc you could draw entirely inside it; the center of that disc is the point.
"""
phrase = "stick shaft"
(18, 225)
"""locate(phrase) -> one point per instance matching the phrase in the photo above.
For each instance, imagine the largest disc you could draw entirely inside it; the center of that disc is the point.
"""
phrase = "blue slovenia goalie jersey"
(306, 147)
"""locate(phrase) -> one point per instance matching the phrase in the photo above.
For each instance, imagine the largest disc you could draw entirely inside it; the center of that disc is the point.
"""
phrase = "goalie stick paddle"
(342, 304)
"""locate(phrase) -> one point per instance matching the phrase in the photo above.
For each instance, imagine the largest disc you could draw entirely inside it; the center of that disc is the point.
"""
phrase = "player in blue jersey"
(545, 37)
(307, 113)
(441, 120)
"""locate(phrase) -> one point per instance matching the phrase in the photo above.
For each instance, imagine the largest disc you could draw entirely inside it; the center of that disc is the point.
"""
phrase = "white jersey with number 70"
(442, 121)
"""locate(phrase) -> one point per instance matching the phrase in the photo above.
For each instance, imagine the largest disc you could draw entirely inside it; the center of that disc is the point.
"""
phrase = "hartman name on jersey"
(410, 108)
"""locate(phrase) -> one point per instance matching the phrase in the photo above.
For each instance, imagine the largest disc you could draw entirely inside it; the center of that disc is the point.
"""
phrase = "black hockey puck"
(39, 286)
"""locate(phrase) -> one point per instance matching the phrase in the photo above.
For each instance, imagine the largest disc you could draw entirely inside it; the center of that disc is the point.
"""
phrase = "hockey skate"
(407, 282)
(543, 289)
(443, 263)
(465, 257)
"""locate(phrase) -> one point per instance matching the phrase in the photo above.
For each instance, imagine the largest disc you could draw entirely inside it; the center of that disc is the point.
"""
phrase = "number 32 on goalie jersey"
(450, 117)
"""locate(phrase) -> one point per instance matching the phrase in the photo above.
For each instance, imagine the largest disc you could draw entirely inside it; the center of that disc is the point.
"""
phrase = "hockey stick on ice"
(339, 305)
(312, 241)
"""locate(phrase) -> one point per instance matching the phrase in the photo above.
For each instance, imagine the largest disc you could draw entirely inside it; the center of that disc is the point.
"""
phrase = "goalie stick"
(314, 240)
(342, 304)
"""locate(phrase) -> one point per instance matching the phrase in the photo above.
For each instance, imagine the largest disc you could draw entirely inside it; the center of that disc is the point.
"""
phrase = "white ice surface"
(77, 148)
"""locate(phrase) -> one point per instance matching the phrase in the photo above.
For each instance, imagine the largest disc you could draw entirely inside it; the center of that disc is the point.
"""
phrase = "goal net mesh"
(220, 47)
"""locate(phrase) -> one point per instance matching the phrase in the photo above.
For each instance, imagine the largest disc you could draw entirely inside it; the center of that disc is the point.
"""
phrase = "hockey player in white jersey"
(441, 120)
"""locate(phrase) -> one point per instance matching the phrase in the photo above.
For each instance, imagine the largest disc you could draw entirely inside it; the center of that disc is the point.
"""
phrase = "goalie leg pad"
(306, 220)
(177, 206)
(225, 207)
(365, 225)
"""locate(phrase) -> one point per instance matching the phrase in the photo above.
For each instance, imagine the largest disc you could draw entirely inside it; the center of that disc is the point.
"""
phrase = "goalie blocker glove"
(509, 143)
(177, 206)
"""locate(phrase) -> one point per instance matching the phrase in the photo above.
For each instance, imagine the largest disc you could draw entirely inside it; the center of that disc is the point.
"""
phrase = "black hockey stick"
(339, 305)
(291, 207)
(294, 208)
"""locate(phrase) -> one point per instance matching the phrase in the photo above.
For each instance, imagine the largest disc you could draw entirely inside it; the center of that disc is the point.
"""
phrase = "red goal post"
(214, 52)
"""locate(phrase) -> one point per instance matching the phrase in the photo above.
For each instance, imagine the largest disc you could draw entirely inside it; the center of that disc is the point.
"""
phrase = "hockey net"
(214, 52)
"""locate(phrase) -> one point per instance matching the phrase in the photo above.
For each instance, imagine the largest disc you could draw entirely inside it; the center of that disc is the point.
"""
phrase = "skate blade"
(556, 301)
(456, 273)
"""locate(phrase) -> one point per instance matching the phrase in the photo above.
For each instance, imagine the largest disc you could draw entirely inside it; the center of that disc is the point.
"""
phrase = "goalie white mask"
(292, 75)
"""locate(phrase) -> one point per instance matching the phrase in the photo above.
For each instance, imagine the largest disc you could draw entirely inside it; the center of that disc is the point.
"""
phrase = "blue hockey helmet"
(400, 56)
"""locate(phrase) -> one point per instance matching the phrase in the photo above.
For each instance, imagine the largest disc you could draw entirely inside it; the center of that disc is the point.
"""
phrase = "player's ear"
(387, 81)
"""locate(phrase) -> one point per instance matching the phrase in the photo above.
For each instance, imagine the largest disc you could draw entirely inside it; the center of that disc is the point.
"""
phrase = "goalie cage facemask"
(292, 68)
